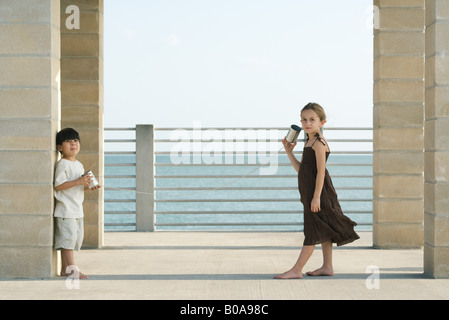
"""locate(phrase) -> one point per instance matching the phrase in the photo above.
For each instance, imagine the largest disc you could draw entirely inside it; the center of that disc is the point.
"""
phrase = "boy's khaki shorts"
(69, 233)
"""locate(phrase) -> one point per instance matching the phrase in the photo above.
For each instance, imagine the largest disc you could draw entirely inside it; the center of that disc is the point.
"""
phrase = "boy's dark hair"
(66, 134)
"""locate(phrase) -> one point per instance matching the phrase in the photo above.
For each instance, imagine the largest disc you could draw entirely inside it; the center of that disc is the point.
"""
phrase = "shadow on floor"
(242, 277)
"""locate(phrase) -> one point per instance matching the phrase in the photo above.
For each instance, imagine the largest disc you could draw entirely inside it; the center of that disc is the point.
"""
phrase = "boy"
(69, 193)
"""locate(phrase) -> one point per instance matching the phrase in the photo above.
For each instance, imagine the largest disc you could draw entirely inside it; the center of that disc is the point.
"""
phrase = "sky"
(237, 63)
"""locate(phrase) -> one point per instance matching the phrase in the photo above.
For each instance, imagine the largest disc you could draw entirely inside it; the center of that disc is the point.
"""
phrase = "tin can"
(94, 181)
(293, 133)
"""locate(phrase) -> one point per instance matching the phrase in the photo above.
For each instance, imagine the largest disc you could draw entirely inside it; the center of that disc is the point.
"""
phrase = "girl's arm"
(289, 151)
(320, 155)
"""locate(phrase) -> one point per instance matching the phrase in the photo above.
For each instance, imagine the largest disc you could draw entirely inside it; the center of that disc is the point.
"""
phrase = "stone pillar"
(436, 190)
(82, 98)
(29, 121)
(398, 161)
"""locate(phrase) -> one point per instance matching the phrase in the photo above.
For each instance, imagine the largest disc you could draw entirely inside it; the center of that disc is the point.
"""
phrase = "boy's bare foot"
(291, 274)
(321, 272)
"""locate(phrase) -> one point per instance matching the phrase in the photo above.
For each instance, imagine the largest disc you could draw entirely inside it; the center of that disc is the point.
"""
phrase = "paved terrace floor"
(230, 265)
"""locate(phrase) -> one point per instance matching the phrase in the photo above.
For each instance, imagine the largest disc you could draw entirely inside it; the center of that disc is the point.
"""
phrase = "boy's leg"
(79, 240)
(67, 259)
(70, 234)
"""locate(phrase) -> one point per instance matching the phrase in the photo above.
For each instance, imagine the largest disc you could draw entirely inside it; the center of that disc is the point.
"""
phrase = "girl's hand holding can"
(288, 146)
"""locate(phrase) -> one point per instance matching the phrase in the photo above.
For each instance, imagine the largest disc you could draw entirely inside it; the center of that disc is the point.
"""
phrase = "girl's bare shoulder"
(320, 144)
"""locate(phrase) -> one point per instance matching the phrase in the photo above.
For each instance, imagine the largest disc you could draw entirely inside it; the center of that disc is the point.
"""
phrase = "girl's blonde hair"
(317, 108)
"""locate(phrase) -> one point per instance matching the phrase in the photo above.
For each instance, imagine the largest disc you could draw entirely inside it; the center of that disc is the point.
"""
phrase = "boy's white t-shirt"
(69, 202)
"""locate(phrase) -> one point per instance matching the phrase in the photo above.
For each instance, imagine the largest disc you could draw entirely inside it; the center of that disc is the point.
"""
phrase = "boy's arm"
(84, 180)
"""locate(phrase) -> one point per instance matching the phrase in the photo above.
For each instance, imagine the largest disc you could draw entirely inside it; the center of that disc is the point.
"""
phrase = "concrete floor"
(231, 266)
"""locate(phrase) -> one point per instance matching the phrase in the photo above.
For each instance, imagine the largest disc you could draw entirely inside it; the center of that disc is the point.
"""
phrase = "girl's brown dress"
(329, 224)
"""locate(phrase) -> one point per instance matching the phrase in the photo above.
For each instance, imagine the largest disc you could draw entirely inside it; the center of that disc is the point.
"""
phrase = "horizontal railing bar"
(123, 224)
(245, 200)
(119, 200)
(238, 224)
(248, 176)
(232, 224)
(247, 188)
(252, 212)
(256, 165)
(119, 140)
(231, 212)
(119, 212)
(120, 176)
(261, 128)
(236, 212)
(227, 176)
(257, 152)
(227, 188)
(119, 152)
(240, 140)
(120, 129)
(119, 164)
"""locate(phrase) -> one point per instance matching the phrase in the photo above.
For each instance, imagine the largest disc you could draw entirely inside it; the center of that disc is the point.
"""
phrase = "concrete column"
(82, 98)
(436, 201)
(145, 178)
(29, 121)
(398, 124)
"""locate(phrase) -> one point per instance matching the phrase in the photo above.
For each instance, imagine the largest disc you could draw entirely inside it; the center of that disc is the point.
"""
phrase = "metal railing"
(207, 179)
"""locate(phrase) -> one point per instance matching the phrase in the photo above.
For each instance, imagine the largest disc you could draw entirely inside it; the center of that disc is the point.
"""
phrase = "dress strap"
(318, 138)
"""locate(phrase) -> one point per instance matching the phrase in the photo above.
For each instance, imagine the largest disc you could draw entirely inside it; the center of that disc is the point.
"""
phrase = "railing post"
(145, 178)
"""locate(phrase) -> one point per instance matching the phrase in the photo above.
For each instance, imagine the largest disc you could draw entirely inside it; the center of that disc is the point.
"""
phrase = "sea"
(351, 175)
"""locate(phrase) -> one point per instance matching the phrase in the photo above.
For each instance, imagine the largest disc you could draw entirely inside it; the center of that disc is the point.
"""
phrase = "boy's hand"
(84, 180)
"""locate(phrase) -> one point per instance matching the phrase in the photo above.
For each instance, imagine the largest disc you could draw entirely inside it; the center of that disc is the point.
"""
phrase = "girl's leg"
(327, 268)
(296, 271)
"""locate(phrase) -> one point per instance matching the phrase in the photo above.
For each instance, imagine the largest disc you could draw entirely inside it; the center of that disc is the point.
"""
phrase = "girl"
(324, 222)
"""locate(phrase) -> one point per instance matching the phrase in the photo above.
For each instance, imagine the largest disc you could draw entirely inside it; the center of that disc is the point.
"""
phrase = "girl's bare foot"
(321, 272)
(78, 275)
(291, 274)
